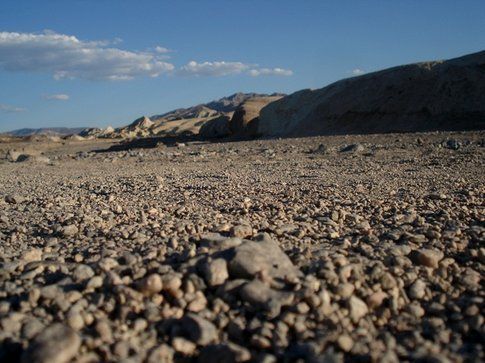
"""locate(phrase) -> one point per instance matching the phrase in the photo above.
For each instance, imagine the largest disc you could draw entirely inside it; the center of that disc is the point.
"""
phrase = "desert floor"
(265, 250)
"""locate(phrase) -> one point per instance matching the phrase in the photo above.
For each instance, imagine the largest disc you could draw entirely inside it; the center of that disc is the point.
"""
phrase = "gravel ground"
(326, 249)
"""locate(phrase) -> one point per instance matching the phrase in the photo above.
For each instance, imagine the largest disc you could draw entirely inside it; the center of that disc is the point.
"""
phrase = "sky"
(86, 63)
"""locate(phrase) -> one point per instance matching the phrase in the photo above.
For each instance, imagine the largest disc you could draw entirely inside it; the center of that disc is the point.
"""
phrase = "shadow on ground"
(153, 142)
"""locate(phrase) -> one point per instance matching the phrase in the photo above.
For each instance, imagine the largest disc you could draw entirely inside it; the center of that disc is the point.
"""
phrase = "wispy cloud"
(10, 108)
(270, 72)
(357, 72)
(67, 57)
(58, 97)
(222, 68)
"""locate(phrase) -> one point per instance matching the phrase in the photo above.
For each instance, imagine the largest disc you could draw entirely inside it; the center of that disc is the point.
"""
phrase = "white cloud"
(162, 50)
(10, 108)
(223, 68)
(270, 72)
(357, 72)
(58, 97)
(213, 68)
(67, 57)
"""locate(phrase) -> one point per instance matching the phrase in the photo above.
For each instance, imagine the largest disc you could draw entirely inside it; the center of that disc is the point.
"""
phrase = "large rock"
(56, 344)
(261, 256)
(244, 122)
(442, 95)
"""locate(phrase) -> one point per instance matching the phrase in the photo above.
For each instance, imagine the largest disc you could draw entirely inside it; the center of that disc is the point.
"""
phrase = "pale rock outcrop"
(441, 95)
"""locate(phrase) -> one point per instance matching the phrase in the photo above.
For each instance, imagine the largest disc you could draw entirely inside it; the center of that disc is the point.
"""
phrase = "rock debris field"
(323, 249)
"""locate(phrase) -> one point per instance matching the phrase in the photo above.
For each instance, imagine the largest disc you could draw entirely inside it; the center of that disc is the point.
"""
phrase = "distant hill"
(51, 131)
(222, 106)
(428, 96)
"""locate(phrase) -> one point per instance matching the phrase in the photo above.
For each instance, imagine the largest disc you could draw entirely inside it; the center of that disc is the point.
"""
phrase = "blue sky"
(106, 62)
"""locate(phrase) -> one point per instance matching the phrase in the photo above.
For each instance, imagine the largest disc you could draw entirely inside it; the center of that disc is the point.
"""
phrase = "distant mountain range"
(48, 131)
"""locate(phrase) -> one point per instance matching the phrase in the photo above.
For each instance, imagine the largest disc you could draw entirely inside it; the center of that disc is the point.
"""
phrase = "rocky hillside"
(216, 115)
(440, 95)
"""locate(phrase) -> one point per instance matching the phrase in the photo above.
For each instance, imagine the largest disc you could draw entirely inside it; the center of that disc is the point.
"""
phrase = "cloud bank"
(67, 57)
(357, 72)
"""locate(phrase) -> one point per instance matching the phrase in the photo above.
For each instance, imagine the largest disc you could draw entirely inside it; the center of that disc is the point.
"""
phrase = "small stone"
(199, 330)
(34, 254)
(82, 272)
(104, 330)
(184, 346)
(358, 309)
(241, 231)
(428, 258)
(151, 284)
(171, 283)
(415, 309)
(417, 289)
(75, 321)
(70, 230)
(228, 352)
(215, 272)
(198, 304)
(352, 148)
(375, 300)
(161, 354)
(345, 343)
(95, 282)
(31, 328)
(345, 290)
(14, 199)
(56, 344)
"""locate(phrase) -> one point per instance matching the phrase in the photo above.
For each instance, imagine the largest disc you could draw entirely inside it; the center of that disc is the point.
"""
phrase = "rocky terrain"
(427, 96)
(323, 249)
